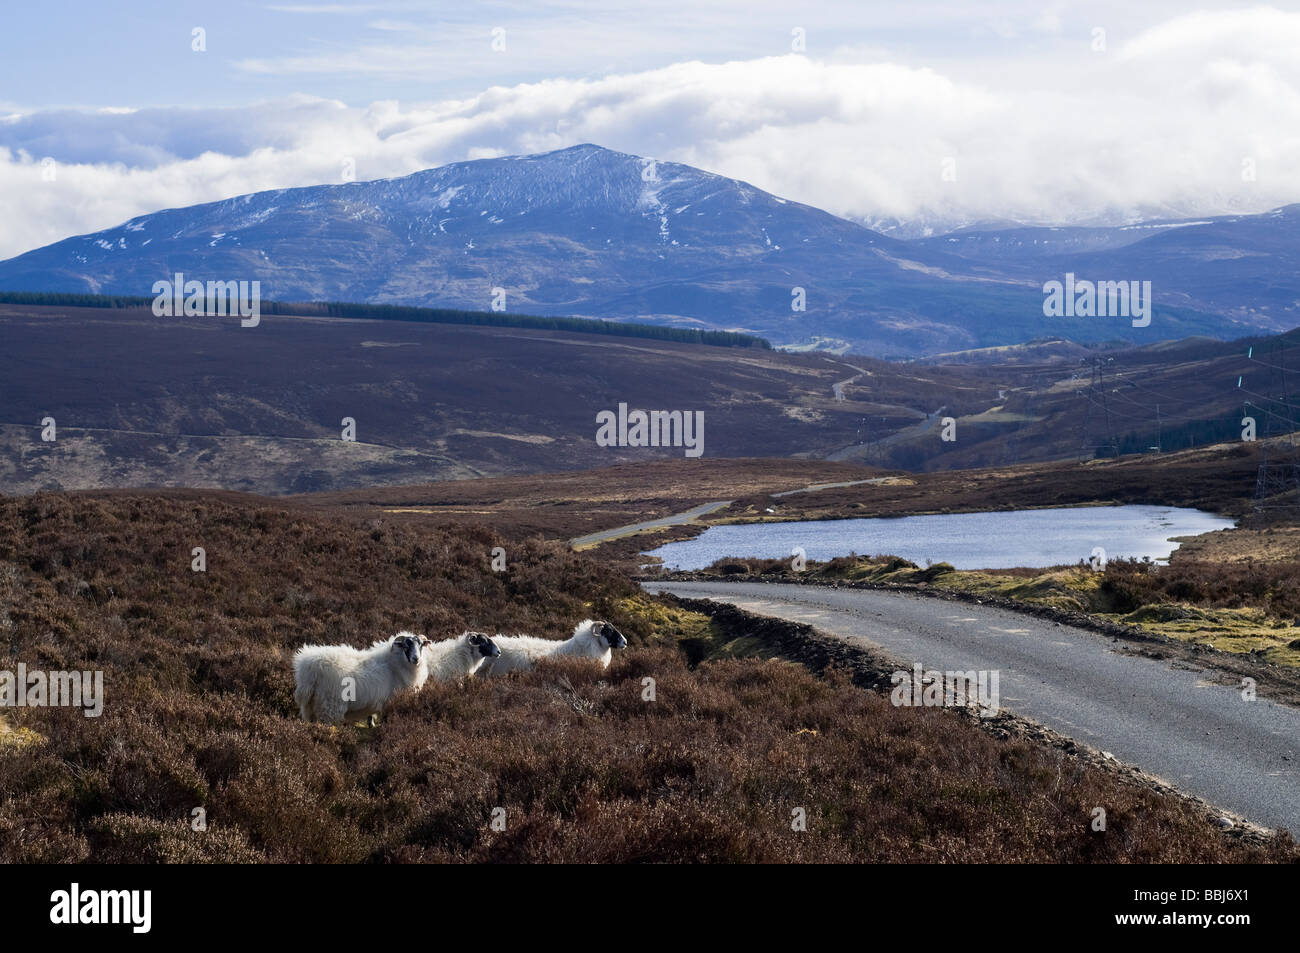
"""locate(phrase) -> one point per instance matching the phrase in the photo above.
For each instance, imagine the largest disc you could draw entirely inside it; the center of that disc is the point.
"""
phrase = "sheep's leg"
(329, 710)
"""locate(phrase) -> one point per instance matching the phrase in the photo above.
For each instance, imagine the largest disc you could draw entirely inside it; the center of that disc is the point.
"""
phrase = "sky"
(930, 114)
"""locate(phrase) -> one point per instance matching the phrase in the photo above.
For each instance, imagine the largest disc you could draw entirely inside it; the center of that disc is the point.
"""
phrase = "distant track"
(828, 486)
(856, 450)
(838, 387)
(676, 519)
(1172, 722)
(695, 512)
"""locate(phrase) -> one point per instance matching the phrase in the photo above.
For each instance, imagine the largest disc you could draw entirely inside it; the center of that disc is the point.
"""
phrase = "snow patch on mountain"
(257, 218)
(652, 206)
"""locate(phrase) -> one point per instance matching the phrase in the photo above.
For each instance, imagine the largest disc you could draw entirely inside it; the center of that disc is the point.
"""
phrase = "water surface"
(1028, 538)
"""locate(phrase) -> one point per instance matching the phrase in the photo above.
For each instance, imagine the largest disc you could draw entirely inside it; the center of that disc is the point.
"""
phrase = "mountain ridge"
(589, 232)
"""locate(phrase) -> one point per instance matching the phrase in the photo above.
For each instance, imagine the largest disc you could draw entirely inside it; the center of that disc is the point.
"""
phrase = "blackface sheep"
(456, 658)
(337, 682)
(591, 639)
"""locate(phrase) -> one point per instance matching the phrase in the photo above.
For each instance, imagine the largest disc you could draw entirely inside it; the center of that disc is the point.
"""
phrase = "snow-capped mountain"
(581, 231)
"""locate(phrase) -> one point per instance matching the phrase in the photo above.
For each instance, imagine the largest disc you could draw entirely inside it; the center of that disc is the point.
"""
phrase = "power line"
(1285, 419)
(1096, 385)
(1274, 400)
(1168, 398)
(1275, 480)
(1160, 414)
(1116, 413)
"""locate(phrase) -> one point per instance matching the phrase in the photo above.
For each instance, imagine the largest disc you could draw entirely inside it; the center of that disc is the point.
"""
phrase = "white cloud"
(1160, 124)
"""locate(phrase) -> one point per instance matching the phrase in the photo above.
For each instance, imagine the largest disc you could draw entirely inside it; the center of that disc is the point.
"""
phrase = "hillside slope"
(139, 400)
(1245, 267)
(145, 401)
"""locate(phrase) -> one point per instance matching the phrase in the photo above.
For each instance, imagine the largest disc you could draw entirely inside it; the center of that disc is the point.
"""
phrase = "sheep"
(459, 657)
(374, 676)
(591, 639)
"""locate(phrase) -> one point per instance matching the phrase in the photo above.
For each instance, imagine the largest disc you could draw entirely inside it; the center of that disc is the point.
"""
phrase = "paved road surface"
(1171, 722)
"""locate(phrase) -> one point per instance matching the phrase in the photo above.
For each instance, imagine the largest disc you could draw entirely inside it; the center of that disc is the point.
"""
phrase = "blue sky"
(138, 53)
(133, 54)
(1040, 122)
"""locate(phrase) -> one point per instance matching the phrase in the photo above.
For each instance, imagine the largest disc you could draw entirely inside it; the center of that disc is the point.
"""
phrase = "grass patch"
(1242, 608)
(16, 739)
(694, 634)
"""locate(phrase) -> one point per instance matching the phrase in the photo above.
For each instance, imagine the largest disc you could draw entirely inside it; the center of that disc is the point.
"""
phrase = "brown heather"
(199, 713)
(1272, 586)
(1126, 585)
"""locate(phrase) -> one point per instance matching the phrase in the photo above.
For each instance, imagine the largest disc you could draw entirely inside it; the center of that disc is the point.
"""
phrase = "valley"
(140, 400)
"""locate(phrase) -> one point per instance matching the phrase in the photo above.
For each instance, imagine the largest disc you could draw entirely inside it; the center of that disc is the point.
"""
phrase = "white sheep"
(591, 639)
(334, 682)
(459, 657)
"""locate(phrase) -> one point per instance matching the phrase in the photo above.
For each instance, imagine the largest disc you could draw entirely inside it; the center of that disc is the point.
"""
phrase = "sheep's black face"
(486, 647)
(613, 638)
(410, 647)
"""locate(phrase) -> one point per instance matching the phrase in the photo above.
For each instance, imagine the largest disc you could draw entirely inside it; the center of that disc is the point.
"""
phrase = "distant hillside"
(144, 401)
(1244, 267)
(589, 232)
(1160, 398)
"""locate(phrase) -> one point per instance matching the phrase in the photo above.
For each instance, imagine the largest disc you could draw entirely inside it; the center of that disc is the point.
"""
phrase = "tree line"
(394, 312)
